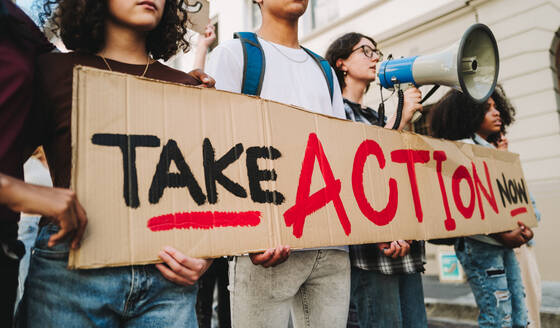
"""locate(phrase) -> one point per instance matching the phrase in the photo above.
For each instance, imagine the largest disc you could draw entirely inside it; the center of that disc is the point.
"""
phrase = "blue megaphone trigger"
(396, 71)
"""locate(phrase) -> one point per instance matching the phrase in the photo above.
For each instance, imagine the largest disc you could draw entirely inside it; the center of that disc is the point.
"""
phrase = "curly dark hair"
(81, 26)
(341, 48)
(457, 117)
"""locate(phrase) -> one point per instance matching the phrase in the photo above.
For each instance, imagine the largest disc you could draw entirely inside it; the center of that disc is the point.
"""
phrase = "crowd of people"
(380, 283)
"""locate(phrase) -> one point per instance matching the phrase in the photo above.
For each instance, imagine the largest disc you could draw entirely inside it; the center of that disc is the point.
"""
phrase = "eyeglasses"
(369, 51)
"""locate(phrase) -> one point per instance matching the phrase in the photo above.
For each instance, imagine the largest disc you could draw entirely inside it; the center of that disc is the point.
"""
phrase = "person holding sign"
(129, 37)
(21, 42)
(527, 260)
(313, 283)
(488, 260)
(386, 285)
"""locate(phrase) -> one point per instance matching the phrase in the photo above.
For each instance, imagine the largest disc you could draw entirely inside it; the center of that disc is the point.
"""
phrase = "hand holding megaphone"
(412, 104)
(471, 66)
(411, 108)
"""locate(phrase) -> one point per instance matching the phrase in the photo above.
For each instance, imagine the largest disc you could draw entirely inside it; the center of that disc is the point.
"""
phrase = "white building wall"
(525, 31)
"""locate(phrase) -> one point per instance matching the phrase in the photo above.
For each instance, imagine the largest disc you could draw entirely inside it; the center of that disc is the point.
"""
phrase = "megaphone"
(471, 66)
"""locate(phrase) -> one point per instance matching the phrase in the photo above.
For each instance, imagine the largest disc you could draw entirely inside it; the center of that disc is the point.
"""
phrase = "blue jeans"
(131, 296)
(495, 280)
(392, 301)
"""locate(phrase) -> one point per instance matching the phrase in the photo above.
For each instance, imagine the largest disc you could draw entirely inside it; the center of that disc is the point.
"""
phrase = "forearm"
(9, 194)
(391, 122)
(20, 196)
(200, 57)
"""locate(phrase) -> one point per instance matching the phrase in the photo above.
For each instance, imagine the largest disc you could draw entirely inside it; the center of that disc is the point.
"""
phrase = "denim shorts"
(130, 296)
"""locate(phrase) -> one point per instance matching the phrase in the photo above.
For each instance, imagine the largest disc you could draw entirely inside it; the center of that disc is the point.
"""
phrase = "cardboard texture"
(214, 173)
(198, 15)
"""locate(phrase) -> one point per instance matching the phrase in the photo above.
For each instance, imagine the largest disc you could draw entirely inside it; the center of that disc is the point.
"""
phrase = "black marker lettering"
(504, 191)
(213, 171)
(256, 176)
(127, 145)
(163, 179)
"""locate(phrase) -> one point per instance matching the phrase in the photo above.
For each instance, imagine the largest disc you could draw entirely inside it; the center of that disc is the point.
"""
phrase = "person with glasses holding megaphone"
(386, 285)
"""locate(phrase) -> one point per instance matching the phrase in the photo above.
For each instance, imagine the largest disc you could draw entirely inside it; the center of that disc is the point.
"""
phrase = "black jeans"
(9, 269)
(217, 273)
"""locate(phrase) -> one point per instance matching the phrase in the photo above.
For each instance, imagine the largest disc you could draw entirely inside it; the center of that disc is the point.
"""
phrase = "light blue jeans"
(495, 280)
(27, 233)
(388, 301)
(131, 296)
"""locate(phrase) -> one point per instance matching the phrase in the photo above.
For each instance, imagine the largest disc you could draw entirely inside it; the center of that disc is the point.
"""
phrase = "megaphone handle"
(400, 106)
(431, 92)
(415, 117)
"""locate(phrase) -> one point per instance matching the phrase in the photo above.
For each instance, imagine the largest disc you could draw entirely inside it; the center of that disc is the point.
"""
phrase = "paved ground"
(453, 305)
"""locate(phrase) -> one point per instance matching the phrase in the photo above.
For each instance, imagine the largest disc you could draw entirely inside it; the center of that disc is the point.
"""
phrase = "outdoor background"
(528, 35)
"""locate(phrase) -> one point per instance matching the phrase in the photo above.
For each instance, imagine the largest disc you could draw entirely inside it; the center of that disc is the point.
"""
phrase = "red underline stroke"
(204, 220)
(518, 211)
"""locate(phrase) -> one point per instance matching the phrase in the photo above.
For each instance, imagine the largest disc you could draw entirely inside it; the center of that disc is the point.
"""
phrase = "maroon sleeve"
(30, 33)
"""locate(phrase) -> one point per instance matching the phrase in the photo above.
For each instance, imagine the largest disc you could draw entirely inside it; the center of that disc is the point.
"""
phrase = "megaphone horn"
(471, 66)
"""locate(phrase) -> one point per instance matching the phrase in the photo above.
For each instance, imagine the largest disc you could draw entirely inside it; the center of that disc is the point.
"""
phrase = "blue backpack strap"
(253, 63)
(325, 67)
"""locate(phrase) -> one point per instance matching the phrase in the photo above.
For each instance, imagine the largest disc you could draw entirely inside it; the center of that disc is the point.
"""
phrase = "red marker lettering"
(410, 157)
(439, 157)
(462, 173)
(518, 211)
(307, 204)
(204, 220)
(489, 197)
(386, 215)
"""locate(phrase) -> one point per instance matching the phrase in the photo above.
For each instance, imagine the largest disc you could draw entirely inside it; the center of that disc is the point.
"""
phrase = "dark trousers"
(217, 273)
(9, 269)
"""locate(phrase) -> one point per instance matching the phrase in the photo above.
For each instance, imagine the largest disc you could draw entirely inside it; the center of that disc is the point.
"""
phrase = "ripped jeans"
(495, 280)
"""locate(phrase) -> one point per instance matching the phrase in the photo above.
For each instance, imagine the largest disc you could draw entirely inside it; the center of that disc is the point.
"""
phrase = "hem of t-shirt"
(417, 269)
(486, 239)
(336, 248)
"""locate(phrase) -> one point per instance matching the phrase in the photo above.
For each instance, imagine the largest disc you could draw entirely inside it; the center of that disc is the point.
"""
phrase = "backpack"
(254, 65)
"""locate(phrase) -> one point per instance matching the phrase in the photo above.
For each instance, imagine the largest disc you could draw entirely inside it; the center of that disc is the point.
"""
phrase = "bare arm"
(204, 42)
(60, 205)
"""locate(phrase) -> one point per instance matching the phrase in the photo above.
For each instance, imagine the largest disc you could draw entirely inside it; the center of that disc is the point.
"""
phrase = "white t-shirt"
(299, 81)
(291, 76)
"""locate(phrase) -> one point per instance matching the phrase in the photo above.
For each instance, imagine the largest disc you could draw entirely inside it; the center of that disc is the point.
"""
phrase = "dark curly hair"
(457, 117)
(341, 48)
(81, 26)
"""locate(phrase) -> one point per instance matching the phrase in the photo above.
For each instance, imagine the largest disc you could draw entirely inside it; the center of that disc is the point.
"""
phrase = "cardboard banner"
(214, 173)
(198, 14)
